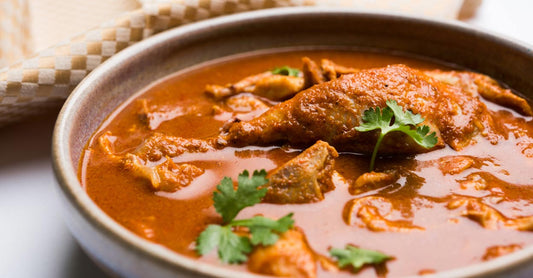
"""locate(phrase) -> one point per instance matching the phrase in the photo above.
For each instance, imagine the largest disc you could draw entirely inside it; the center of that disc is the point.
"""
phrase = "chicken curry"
(320, 163)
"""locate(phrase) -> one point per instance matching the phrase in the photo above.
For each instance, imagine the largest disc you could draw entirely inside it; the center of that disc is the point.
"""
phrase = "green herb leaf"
(357, 257)
(263, 230)
(403, 118)
(286, 70)
(232, 248)
(229, 202)
(403, 121)
(376, 119)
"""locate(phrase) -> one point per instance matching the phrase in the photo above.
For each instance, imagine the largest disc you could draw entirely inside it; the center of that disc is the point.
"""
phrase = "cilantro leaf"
(286, 70)
(263, 229)
(357, 257)
(234, 247)
(403, 118)
(208, 239)
(229, 202)
(231, 247)
(376, 119)
(382, 119)
(420, 135)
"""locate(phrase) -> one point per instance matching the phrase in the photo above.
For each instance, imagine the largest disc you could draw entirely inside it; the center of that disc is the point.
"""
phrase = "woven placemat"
(45, 80)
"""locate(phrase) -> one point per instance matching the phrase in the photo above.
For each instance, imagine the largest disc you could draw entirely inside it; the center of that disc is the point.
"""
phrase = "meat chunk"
(243, 106)
(489, 217)
(474, 181)
(333, 71)
(330, 111)
(500, 250)
(266, 84)
(245, 103)
(312, 73)
(166, 176)
(144, 162)
(476, 83)
(305, 178)
(451, 165)
(152, 119)
(278, 87)
(371, 212)
(485, 215)
(290, 256)
(372, 180)
(159, 145)
(328, 70)
(245, 85)
(106, 143)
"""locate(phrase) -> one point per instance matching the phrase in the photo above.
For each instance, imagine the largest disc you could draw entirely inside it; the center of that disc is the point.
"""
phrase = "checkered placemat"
(46, 79)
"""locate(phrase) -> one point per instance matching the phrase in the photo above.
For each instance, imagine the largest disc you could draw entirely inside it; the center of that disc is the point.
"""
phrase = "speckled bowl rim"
(71, 188)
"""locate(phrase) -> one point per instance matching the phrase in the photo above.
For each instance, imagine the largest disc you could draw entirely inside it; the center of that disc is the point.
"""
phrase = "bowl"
(122, 253)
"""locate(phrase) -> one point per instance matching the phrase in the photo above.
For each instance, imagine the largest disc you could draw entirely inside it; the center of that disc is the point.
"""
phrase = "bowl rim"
(72, 189)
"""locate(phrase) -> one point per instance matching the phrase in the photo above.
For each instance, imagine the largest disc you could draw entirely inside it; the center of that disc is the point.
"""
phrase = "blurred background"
(28, 26)
(34, 242)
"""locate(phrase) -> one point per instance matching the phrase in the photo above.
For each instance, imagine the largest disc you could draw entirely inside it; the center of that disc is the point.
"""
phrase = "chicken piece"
(372, 180)
(244, 85)
(500, 250)
(246, 103)
(474, 181)
(268, 85)
(312, 73)
(152, 119)
(278, 87)
(159, 145)
(488, 217)
(485, 86)
(290, 256)
(166, 176)
(454, 164)
(372, 212)
(485, 215)
(330, 111)
(451, 165)
(333, 71)
(521, 223)
(303, 179)
(106, 142)
(328, 70)
(243, 106)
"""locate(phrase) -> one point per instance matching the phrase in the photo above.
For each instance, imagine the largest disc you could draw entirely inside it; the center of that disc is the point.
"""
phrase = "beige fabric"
(53, 21)
(15, 39)
(430, 8)
(47, 78)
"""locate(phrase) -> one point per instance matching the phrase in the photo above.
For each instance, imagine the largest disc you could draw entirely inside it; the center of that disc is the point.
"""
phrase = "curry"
(155, 163)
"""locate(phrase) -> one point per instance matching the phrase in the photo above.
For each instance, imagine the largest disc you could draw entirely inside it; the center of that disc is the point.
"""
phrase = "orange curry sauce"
(174, 220)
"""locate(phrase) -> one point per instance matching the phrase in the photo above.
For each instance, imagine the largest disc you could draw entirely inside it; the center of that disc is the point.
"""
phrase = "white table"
(34, 241)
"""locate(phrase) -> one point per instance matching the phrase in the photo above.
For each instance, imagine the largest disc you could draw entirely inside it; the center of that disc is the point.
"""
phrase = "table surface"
(35, 242)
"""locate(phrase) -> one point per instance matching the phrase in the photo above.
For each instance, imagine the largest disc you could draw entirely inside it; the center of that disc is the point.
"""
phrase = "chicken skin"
(330, 111)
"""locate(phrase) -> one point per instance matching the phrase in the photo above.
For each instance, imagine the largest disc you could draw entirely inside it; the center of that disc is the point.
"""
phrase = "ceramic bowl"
(124, 254)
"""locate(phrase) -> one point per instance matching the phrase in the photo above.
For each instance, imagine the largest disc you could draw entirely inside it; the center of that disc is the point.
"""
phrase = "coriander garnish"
(403, 121)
